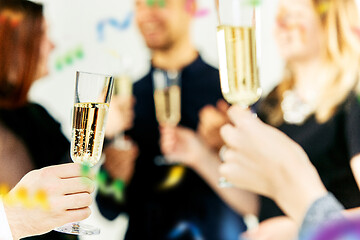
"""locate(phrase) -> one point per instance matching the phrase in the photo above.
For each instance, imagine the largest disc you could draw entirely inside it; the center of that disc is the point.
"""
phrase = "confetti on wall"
(254, 3)
(114, 23)
(69, 58)
(151, 3)
(190, 5)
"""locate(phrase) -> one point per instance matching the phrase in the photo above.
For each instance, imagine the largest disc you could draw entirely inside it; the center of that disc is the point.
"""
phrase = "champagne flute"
(167, 99)
(92, 99)
(122, 88)
(238, 59)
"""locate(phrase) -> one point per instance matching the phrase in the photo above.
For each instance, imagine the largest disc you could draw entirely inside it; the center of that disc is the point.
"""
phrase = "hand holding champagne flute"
(238, 65)
(167, 99)
(92, 99)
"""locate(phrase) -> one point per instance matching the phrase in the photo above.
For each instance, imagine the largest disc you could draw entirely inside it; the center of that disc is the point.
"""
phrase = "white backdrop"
(73, 25)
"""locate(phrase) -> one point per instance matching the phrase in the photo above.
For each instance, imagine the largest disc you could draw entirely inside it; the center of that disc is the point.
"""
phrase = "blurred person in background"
(155, 213)
(315, 104)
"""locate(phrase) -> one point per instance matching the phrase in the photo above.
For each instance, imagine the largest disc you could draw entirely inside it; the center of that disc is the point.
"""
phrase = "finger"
(233, 137)
(68, 170)
(202, 131)
(241, 160)
(76, 201)
(77, 185)
(241, 117)
(204, 111)
(76, 215)
(243, 177)
(168, 146)
(234, 174)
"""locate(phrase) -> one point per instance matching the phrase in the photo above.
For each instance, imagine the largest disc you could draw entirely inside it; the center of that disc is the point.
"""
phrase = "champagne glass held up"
(237, 50)
(167, 99)
(92, 99)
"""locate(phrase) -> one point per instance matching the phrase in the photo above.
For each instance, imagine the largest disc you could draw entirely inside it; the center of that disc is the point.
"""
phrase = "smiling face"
(298, 31)
(161, 27)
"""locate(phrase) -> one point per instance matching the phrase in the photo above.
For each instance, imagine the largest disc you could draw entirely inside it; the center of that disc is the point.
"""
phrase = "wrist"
(18, 230)
(299, 193)
(202, 159)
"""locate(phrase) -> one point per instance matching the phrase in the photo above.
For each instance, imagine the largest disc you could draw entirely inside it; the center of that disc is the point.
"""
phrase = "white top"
(5, 232)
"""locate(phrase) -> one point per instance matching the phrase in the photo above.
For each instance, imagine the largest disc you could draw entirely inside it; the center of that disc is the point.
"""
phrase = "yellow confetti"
(174, 177)
(23, 197)
(42, 199)
(323, 7)
(4, 189)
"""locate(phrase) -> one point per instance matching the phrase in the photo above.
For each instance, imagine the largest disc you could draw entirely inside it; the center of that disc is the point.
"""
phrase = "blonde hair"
(339, 19)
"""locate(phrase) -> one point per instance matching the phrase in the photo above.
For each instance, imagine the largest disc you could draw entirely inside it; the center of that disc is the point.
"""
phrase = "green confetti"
(101, 178)
(59, 64)
(85, 169)
(118, 185)
(69, 59)
(79, 53)
(161, 3)
(150, 3)
(254, 3)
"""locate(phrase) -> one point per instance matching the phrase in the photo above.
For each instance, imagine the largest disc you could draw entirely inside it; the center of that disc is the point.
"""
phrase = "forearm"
(296, 193)
(243, 202)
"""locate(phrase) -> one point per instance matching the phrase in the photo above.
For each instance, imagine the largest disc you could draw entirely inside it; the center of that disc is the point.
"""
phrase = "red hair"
(21, 29)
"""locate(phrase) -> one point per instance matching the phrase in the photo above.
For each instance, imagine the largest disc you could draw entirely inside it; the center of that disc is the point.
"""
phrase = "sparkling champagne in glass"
(167, 99)
(92, 99)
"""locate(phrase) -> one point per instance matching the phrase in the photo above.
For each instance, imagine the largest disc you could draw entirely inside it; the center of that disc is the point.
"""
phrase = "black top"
(330, 147)
(43, 139)
(154, 213)
(40, 133)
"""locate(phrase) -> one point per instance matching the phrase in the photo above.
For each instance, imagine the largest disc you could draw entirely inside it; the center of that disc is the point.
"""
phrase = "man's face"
(162, 26)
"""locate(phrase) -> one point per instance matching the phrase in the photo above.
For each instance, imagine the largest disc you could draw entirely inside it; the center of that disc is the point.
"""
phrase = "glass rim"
(95, 74)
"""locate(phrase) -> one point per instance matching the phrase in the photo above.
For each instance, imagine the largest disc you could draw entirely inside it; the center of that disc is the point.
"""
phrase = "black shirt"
(40, 133)
(330, 147)
(43, 140)
(153, 213)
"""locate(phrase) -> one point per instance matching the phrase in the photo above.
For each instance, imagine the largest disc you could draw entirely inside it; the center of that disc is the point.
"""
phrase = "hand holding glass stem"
(236, 37)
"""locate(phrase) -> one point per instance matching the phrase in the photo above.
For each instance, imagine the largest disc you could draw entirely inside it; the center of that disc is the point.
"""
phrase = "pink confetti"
(200, 13)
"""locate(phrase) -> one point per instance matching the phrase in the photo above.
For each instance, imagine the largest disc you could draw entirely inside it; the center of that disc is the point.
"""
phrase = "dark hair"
(21, 29)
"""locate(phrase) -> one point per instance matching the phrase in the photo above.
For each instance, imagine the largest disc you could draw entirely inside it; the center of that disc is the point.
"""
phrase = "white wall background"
(73, 23)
